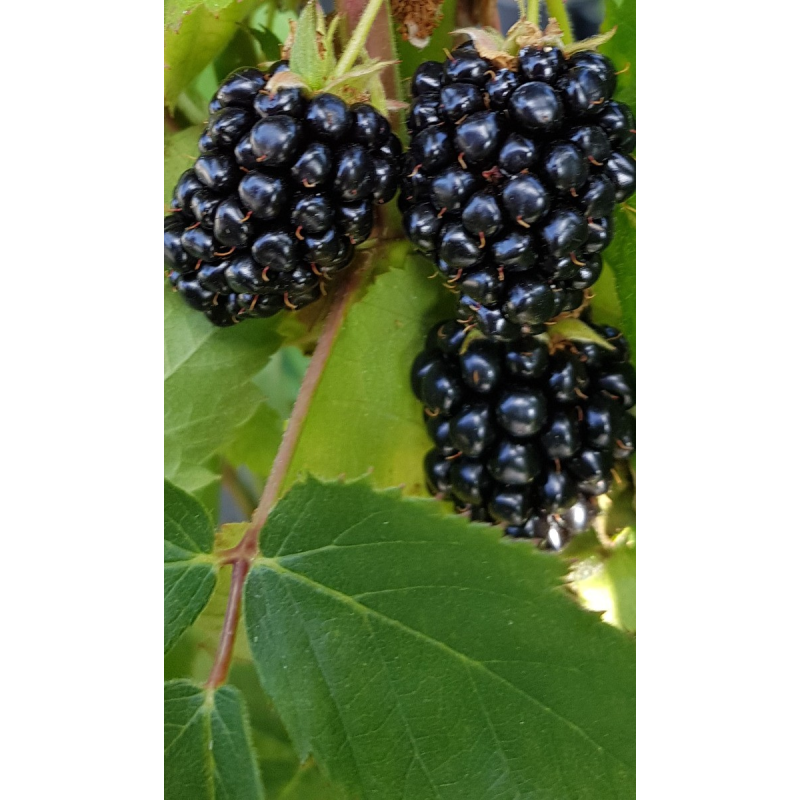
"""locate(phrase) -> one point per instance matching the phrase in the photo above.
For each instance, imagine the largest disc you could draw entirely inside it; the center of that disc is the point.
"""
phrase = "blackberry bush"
(283, 191)
(515, 166)
(525, 433)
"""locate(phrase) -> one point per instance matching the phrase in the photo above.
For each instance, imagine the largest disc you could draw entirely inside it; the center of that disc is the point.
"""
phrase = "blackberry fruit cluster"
(283, 191)
(512, 178)
(525, 434)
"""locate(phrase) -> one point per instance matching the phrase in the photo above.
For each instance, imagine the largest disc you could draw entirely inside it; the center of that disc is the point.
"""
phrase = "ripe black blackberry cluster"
(512, 178)
(526, 433)
(282, 192)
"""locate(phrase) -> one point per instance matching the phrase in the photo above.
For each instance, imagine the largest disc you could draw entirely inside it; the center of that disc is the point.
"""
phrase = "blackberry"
(283, 190)
(525, 434)
(514, 171)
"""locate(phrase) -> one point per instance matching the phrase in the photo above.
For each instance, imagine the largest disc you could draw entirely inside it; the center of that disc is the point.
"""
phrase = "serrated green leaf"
(208, 390)
(195, 33)
(280, 768)
(621, 49)
(365, 417)
(417, 656)
(411, 57)
(305, 59)
(208, 753)
(189, 574)
(575, 329)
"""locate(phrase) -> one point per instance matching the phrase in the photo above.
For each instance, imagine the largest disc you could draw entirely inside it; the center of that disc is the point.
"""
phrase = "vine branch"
(243, 554)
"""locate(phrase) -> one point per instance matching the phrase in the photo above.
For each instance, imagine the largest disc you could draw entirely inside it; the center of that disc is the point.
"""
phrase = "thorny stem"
(359, 38)
(557, 9)
(242, 555)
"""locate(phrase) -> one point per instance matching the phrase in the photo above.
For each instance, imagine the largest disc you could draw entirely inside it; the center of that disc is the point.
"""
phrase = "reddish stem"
(243, 554)
(227, 639)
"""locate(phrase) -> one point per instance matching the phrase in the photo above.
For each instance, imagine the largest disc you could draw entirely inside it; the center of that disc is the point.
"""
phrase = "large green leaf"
(208, 391)
(190, 573)
(194, 34)
(416, 656)
(208, 754)
(365, 417)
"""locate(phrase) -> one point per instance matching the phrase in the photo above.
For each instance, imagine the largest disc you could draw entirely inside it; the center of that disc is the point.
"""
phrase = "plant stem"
(227, 639)
(359, 38)
(243, 554)
(557, 9)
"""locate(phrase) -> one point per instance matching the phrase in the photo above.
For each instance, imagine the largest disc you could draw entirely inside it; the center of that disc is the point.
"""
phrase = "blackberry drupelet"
(512, 178)
(283, 191)
(525, 434)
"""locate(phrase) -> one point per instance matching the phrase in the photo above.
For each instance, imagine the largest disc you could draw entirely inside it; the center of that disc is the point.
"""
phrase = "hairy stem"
(222, 659)
(242, 555)
(359, 38)
(557, 9)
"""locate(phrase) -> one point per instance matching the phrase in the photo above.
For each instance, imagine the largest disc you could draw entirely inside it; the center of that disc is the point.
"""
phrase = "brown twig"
(242, 555)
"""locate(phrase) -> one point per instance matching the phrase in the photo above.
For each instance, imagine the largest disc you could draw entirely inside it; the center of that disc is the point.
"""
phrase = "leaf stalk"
(244, 553)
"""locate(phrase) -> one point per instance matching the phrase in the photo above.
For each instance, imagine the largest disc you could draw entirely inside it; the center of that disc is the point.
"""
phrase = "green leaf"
(575, 329)
(621, 49)
(190, 574)
(305, 59)
(417, 656)
(607, 583)
(208, 390)
(411, 57)
(282, 775)
(621, 255)
(180, 153)
(620, 258)
(208, 753)
(195, 33)
(365, 417)
(256, 442)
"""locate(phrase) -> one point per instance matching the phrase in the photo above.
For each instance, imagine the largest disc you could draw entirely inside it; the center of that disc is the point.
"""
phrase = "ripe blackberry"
(512, 177)
(283, 190)
(525, 434)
